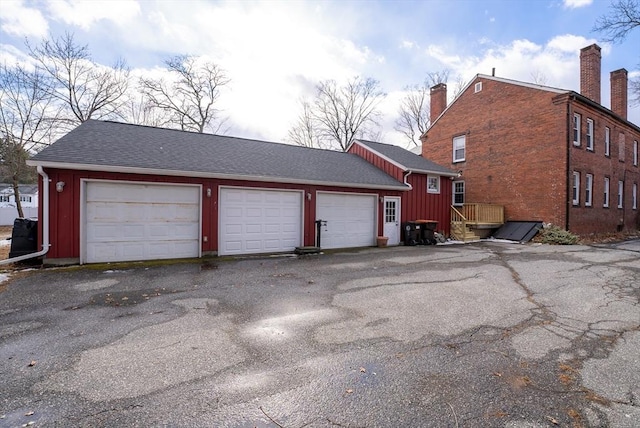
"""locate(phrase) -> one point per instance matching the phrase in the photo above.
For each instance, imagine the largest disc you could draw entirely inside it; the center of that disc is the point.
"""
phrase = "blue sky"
(275, 51)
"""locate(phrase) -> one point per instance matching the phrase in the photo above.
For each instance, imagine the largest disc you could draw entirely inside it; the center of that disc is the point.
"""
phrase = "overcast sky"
(276, 51)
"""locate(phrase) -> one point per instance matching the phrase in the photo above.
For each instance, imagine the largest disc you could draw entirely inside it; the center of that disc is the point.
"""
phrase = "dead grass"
(603, 238)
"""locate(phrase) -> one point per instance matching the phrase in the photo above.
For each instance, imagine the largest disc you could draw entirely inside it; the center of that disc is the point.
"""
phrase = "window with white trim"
(576, 129)
(634, 196)
(4, 198)
(607, 141)
(635, 153)
(459, 148)
(478, 87)
(25, 198)
(576, 188)
(433, 184)
(458, 193)
(605, 204)
(588, 190)
(620, 193)
(590, 134)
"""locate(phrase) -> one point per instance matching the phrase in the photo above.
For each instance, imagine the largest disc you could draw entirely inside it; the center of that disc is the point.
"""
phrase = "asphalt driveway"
(481, 335)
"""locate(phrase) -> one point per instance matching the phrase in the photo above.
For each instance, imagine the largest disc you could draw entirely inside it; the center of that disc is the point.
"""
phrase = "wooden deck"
(471, 222)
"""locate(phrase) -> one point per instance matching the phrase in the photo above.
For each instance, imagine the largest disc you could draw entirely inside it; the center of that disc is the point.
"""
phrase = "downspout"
(569, 175)
(406, 176)
(45, 223)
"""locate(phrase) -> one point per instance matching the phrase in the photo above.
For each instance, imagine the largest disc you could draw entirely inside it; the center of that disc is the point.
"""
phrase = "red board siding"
(417, 204)
(65, 206)
(377, 161)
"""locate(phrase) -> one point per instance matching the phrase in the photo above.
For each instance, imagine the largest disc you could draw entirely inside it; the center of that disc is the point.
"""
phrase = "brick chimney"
(590, 59)
(619, 92)
(438, 100)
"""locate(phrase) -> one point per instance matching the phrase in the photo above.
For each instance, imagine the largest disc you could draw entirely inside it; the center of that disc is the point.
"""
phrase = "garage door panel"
(350, 219)
(259, 220)
(140, 221)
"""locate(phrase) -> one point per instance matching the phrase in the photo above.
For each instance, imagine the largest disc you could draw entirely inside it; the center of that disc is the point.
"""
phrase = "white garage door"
(140, 221)
(259, 221)
(351, 220)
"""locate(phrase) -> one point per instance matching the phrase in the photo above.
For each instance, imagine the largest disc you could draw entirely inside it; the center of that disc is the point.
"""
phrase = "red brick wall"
(515, 149)
(596, 218)
(518, 155)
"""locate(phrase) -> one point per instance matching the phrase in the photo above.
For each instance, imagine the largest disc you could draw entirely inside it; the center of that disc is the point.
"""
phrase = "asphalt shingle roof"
(109, 145)
(409, 160)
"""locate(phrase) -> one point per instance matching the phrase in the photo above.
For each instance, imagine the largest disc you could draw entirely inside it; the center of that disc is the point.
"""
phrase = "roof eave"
(203, 174)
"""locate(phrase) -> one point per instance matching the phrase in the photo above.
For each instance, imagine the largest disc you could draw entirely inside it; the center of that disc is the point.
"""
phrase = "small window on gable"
(607, 141)
(433, 184)
(478, 87)
(576, 188)
(590, 134)
(459, 148)
(576, 129)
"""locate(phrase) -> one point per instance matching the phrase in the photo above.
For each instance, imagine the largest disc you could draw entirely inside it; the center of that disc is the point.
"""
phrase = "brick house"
(545, 154)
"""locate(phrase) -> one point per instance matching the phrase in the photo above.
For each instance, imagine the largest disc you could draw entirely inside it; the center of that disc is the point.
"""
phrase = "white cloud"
(85, 13)
(574, 4)
(22, 21)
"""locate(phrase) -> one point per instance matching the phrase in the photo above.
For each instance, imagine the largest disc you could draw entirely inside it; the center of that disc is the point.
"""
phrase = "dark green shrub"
(551, 234)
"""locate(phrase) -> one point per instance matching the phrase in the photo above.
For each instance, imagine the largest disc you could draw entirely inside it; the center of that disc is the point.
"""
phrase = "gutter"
(45, 223)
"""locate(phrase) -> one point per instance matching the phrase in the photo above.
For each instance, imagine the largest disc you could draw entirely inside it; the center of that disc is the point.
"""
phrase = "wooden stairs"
(472, 222)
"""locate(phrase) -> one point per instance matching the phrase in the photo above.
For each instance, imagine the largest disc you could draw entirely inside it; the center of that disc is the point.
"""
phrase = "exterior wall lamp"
(60, 186)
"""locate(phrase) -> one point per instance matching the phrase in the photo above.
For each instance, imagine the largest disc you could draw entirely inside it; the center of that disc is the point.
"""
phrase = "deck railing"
(466, 218)
(481, 214)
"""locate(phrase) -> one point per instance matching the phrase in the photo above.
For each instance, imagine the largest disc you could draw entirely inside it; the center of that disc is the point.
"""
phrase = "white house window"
(634, 196)
(620, 193)
(607, 142)
(576, 188)
(576, 129)
(606, 193)
(433, 184)
(458, 192)
(4, 198)
(588, 194)
(25, 198)
(590, 134)
(635, 153)
(459, 147)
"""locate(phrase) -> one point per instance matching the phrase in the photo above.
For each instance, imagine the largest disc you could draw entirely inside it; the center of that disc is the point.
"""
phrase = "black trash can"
(24, 237)
(427, 231)
(412, 234)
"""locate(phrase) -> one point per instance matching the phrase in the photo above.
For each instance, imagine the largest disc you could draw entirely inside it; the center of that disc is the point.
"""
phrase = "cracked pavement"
(487, 334)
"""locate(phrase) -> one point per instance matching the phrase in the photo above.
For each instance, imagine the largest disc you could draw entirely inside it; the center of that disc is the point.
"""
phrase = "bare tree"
(304, 131)
(623, 17)
(538, 77)
(140, 111)
(28, 116)
(190, 96)
(86, 89)
(414, 113)
(338, 114)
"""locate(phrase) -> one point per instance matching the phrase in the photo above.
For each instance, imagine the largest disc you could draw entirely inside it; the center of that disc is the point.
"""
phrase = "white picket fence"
(9, 214)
